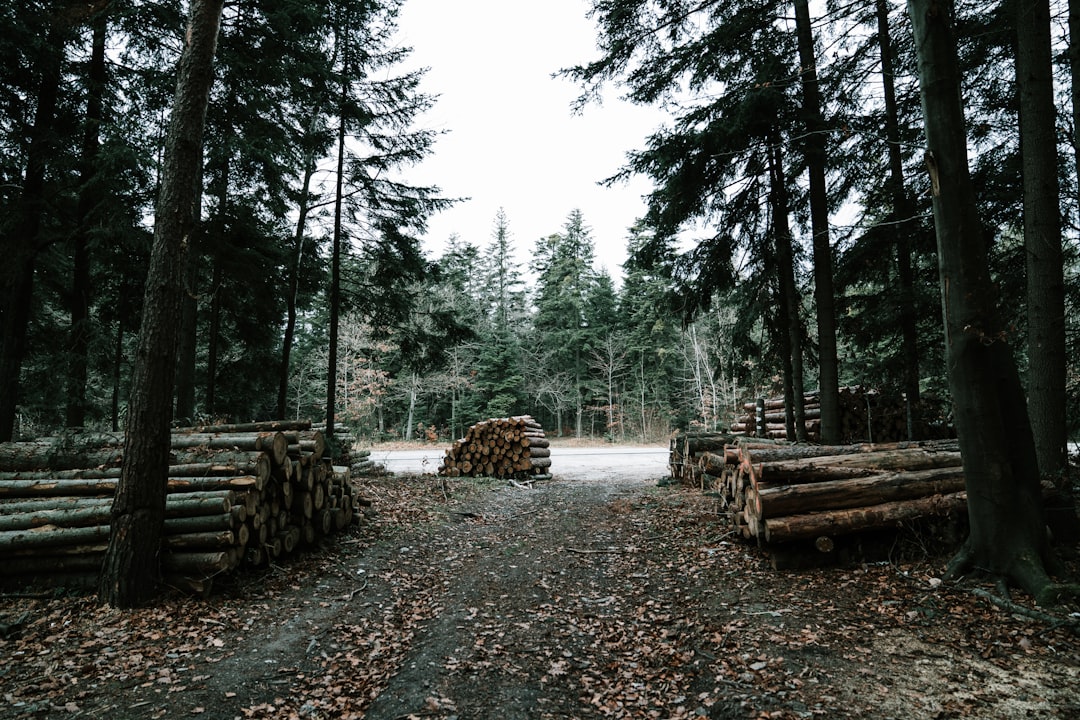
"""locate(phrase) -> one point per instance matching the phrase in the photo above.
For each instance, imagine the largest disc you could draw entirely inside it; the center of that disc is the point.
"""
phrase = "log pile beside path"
(776, 492)
(685, 452)
(236, 495)
(865, 416)
(514, 448)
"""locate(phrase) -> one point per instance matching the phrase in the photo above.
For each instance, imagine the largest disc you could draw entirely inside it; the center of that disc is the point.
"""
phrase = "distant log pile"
(685, 453)
(513, 447)
(865, 416)
(236, 495)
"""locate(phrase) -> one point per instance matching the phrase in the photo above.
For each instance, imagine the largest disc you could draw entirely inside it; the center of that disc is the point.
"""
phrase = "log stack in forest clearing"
(236, 495)
(778, 493)
(865, 416)
(685, 450)
(514, 448)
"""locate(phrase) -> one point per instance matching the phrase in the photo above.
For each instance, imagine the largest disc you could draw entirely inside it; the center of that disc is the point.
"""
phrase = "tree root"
(1054, 621)
(1026, 571)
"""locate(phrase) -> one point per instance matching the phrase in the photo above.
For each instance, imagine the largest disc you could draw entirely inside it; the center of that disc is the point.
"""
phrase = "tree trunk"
(789, 297)
(1074, 74)
(1008, 528)
(89, 196)
(294, 285)
(824, 292)
(1042, 237)
(131, 567)
(902, 225)
(335, 258)
(117, 364)
(413, 380)
(23, 245)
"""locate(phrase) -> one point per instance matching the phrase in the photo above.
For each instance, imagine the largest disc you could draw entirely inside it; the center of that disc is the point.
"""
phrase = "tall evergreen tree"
(563, 323)
(1007, 524)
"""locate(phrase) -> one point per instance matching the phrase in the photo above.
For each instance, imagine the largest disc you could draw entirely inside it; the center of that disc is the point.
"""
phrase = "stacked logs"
(776, 492)
(865, 416)
(513, 447)
(236, 494)
(685, 451)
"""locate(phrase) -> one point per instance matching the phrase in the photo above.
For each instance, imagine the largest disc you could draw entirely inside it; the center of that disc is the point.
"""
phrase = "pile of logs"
(685, 453)
(513, 448)
(236, 495)
(776, 492)
(865, 416)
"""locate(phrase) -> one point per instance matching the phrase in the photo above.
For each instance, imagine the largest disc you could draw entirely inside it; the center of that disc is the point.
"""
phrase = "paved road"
(576, 463)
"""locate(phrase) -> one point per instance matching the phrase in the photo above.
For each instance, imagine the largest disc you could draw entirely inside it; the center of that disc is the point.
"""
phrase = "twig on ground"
(606, 551)
(1055, 621)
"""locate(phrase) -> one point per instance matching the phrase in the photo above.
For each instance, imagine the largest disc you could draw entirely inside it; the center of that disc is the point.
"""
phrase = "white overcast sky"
(511, 139)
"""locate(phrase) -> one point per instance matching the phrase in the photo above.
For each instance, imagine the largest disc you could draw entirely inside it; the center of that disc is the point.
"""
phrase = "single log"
(45, 504)
(813, 468)
(840, 522)
(60, 517)
(254, 427)
(201, 455)
(39, 456)
(199, 563)
(187, 506)
(276, 444)
(759, 452)
(699, 444)
(51, 536)
(194, 484)
(205, 523)
(260, 468)
(96, 473)
(201, 540)
(536, 452)
(41, 564)
(714, 463)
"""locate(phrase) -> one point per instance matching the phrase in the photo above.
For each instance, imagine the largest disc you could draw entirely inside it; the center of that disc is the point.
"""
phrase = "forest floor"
(584, 597)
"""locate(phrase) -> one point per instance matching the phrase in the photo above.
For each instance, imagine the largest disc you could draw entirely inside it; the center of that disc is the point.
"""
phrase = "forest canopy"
(793, 147)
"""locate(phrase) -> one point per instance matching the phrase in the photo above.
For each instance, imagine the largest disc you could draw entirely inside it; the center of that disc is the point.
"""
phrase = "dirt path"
(584, 597)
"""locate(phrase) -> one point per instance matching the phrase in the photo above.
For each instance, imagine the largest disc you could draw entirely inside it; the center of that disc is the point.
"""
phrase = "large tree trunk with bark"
(1043, 249)
(1008, 528)
(131, 566)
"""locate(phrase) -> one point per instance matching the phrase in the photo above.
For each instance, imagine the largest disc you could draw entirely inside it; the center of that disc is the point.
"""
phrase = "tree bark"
(824, 292)
(839, 522)
(21, 248)
(902, 226)
(1042, 237)
(855, 492)
(1008, 528)
(89, 196)
(789, 300)
(131, 567)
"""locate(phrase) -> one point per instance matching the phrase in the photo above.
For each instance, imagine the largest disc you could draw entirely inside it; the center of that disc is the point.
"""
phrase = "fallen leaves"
(601, 600)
